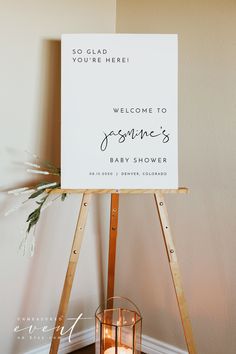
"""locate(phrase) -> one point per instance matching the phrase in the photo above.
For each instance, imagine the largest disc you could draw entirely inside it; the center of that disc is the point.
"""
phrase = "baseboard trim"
(87, 337)
(78, 341)
(154, 346)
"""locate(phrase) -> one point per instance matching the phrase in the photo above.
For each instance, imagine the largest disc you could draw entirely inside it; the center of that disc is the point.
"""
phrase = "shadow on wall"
(48, 147)
(50, 103)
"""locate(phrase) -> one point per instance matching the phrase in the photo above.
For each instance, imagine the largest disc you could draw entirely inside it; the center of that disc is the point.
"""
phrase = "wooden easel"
(75, 251)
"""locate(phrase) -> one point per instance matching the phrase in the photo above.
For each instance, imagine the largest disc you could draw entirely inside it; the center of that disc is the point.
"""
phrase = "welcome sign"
(119, 111)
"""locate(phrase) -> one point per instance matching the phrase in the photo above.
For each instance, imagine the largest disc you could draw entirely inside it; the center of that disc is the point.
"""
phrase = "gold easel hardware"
(168, 240)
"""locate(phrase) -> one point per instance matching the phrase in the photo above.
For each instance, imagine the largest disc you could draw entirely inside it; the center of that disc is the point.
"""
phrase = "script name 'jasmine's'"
(133, 134)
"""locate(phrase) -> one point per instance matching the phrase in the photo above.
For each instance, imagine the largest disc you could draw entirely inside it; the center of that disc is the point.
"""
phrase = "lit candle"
(121, 350)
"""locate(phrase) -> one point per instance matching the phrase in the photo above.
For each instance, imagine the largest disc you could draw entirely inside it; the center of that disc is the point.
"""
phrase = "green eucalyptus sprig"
(40, 193)
(41, 188)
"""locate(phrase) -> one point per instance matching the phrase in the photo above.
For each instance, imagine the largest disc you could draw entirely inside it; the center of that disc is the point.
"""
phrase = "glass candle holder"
(118, 327)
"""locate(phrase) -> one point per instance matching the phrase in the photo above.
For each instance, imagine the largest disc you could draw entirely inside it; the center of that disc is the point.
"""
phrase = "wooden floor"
(87, 350)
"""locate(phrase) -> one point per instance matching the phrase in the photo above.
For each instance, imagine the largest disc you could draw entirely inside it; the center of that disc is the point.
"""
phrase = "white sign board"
(119, 111)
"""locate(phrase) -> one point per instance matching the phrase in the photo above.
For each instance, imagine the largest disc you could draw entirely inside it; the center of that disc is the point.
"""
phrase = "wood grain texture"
(74, 256)
(119, 191)
(112, 244)
(175, 271)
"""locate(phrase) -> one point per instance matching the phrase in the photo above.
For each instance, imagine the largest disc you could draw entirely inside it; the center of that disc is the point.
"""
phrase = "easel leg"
(70, 273)
(112, 244)
(174, 267)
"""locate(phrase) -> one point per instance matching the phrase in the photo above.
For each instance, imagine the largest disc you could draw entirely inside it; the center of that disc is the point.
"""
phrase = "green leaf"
(63, 197)
(33, 219)
(42, 200)
(36, 194)
(34, 214)
(31, 224)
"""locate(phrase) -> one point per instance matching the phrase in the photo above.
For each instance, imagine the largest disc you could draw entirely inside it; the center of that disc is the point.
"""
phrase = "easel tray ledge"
(182, 190)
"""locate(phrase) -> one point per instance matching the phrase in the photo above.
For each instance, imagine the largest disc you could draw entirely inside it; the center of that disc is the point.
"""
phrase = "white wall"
(30, 119)
(203, 222)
